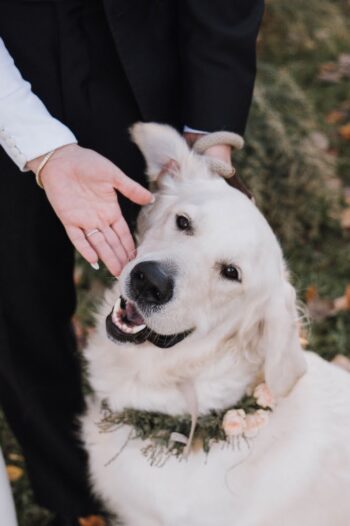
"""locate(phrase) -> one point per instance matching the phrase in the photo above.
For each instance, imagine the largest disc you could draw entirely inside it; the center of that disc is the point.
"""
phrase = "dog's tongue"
(132, 314)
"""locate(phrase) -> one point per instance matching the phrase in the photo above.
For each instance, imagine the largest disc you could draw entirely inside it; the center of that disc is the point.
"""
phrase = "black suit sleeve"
(217, 40)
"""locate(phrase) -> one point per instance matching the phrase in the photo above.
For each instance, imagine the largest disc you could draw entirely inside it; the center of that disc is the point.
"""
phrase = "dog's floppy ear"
(162, 146)
(284, 359)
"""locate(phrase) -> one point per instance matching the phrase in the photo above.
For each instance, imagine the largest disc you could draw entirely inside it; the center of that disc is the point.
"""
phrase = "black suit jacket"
(189, 61)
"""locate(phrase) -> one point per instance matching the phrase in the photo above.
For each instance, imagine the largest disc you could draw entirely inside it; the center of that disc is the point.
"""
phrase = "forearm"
(27, 130)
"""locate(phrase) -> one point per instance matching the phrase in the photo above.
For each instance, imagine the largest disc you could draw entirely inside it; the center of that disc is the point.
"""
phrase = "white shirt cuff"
(187, 129)
(27, 129)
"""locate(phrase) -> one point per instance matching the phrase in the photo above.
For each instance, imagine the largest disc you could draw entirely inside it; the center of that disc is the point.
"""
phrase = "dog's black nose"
(150, 282)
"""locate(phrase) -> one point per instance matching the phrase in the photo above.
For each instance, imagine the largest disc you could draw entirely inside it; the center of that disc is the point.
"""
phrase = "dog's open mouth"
(125, 324)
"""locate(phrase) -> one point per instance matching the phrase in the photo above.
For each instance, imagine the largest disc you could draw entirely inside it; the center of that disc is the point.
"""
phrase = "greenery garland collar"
(168, 435)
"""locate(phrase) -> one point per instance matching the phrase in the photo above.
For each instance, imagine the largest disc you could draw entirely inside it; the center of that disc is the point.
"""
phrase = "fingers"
(112, 245)
(132, 190)
(222, 152)
(77, 237)
(116, 245)
(121, 229)
(106, 253)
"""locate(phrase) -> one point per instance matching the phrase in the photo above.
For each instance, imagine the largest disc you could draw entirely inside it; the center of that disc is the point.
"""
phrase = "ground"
(297, 162)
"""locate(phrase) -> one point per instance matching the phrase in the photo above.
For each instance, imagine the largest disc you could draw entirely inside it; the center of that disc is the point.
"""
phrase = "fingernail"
(95, 266)
(153, 198)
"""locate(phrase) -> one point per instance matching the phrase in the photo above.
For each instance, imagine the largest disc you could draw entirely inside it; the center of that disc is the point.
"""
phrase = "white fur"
(297, 469)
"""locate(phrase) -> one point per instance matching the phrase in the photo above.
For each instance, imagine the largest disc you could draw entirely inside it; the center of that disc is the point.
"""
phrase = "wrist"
(220, 151)
(192, 137)
(39, 164)
(34, 164)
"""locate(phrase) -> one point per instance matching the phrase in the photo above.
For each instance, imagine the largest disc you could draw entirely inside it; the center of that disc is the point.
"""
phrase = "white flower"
(234, 422)
(254, 422)
(263, 396)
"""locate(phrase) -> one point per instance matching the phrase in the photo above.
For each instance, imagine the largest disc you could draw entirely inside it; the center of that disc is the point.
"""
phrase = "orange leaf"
(334, 116)
(344, 132)
(92, 520)
(14, 473)
(311, 293)
(340, 304)
(343, 303)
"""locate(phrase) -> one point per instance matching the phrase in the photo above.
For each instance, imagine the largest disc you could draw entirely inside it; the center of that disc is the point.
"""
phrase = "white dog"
(200, 317)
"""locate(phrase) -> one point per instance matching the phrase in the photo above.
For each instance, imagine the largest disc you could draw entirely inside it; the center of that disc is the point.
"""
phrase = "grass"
(298, 184)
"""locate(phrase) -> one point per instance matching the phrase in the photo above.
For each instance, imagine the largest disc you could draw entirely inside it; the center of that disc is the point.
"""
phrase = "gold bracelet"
(41, 166)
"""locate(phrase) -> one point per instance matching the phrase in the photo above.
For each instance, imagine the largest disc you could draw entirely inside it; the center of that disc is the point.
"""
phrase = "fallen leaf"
(14, 473)
(15, 457)
(342, 361)
(311, 293)
(329, 72)
(343, 303)
(334, 117)
(344, 132)
(92, 520)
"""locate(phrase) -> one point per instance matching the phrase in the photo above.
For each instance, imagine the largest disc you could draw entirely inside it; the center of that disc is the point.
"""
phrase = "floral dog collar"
(167, 435)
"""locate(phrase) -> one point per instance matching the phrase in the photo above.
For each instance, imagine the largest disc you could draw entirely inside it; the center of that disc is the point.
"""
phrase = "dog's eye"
(231, 272)
(183, 223)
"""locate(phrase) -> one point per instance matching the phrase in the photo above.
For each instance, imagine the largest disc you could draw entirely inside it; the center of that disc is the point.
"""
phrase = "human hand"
(80, 185)
(222, 152)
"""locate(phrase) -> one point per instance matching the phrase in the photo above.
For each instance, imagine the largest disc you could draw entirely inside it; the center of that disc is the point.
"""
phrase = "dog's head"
(208, 266)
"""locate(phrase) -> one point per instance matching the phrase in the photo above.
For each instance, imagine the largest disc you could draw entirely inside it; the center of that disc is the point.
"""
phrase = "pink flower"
(234, 422)
(254, 422)
(263, 396)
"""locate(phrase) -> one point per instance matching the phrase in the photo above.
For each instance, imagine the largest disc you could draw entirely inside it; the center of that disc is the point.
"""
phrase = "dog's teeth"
(124, 327)
(116, 308)
(137, 329)
(117, 314)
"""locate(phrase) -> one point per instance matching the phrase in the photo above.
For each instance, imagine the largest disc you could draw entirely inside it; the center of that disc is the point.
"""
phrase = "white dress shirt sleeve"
(187, 129)
(27, 130)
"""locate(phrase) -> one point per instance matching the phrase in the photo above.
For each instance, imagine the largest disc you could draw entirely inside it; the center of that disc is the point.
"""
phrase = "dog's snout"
(150, 282)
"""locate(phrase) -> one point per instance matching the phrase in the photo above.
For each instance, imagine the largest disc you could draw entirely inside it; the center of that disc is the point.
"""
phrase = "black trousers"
(66, 51)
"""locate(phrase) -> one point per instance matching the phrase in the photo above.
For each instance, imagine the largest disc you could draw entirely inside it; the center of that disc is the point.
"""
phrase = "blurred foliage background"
(297, 158)
(297, 162)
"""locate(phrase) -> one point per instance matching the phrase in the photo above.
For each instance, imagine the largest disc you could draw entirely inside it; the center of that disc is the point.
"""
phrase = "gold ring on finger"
(92, 232)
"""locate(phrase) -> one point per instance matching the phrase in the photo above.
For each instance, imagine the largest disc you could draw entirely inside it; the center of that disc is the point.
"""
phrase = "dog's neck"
(144, 377)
